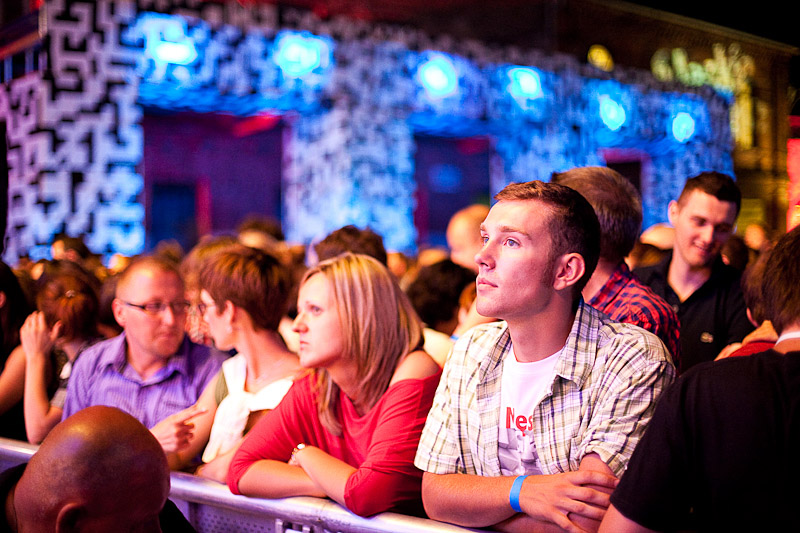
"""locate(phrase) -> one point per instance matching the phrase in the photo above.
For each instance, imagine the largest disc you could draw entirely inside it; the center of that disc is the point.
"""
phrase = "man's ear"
(118, 308)
(569, 269)
(69, 518)
(672, 211)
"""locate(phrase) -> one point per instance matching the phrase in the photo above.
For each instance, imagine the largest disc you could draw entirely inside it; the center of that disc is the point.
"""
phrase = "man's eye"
(512, 243)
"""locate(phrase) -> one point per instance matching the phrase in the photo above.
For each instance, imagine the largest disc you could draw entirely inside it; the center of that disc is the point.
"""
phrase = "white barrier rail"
(211, 508)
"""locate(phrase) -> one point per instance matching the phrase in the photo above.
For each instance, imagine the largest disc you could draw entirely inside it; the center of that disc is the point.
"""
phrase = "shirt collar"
(612, 287)
(577, 358)
(580, 351)
(115, 356)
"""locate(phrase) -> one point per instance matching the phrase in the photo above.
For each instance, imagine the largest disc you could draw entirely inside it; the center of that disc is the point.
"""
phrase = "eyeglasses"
(156, 308)
(202, 306)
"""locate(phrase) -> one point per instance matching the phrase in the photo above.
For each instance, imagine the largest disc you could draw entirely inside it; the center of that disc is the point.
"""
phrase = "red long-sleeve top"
(381, 444)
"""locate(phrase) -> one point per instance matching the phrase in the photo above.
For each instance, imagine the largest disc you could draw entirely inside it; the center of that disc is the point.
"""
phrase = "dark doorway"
(204, 173)
(173, 214)
(450, 173)
(631, 170)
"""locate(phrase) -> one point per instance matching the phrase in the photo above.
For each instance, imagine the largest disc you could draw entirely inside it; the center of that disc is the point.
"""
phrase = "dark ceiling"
(778, 20)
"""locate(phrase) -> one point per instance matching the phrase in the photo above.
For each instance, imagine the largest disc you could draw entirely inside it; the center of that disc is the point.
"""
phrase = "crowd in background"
(257, 302)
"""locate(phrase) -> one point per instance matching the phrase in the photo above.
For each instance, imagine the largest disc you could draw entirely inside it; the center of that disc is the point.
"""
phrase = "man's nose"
(484, 255)
(707, 233)
(168, 315)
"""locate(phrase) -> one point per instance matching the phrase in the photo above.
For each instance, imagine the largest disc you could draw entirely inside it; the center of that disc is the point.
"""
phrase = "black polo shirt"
(711, 318)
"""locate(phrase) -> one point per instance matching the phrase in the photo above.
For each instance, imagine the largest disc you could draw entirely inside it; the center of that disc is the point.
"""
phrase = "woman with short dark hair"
(243, 296)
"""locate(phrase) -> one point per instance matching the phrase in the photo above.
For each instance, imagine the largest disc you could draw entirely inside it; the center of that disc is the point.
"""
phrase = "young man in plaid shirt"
(536, 416)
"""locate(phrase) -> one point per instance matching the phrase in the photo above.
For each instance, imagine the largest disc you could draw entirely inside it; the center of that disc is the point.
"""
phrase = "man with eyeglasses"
(151, 370)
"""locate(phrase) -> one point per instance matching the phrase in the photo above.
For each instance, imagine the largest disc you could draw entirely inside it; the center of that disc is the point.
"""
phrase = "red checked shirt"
(626, 299)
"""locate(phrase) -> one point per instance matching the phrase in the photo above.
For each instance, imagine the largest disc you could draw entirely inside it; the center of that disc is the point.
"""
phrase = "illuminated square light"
(683, 126)
(612, 113)
(438, 77)
(524, 83)
(167, 41)
(300, 54)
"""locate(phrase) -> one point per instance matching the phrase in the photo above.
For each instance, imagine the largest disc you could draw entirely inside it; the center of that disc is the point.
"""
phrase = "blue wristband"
(513, 496)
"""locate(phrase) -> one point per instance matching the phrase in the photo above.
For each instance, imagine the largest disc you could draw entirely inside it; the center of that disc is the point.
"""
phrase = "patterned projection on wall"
(350, 95)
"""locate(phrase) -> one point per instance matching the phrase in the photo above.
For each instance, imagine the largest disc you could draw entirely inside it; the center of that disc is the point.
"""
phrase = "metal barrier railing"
(212, 508)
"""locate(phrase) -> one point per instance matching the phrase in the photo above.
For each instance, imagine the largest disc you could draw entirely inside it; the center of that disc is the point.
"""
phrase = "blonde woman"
(349, 430)
(243, 296)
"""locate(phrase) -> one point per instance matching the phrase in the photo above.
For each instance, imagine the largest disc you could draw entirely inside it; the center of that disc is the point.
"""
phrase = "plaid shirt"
(626, 299)
(604, 391)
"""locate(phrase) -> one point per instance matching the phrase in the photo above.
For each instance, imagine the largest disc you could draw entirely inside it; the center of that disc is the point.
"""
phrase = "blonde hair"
(379, 327)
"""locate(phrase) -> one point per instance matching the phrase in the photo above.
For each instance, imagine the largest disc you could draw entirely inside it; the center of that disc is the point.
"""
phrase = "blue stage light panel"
(612, 113)
(524, 83)
(167, 41)
(438, 77)
(300, 54)
(683, 126)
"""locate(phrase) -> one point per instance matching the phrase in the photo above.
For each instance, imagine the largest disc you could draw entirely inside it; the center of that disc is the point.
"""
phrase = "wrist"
(35, 359)
(513, 496)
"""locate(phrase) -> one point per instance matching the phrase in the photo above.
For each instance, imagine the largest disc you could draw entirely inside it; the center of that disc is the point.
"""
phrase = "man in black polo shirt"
(693, 279)
(720, 453)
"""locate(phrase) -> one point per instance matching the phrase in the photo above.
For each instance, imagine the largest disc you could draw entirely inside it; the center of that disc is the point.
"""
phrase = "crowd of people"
(508, 384)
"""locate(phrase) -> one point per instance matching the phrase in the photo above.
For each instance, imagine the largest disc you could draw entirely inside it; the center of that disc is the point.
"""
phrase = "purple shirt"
(626, 299)
(102, 376)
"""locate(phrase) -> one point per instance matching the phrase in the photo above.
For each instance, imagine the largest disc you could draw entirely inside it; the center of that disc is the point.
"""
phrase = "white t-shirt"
(523, 386)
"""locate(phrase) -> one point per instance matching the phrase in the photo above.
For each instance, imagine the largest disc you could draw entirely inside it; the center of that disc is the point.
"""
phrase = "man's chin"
(702, 261)
(485, 309)
(170, 347)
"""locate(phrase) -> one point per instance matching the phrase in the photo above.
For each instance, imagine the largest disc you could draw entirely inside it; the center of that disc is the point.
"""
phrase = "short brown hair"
(720, 186)
(781, 289)
(250, 279)
(753, 287)
(616, 203)
(378, 323)
(351, 239)
(574, 223)
(193, 261)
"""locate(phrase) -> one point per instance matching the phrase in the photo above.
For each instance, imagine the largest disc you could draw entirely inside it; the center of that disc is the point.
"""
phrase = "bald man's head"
(99, 470)
(144, 265)
(464, 235)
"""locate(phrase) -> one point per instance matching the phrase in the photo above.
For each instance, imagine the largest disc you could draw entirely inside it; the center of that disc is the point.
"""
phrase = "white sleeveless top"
(234, 410)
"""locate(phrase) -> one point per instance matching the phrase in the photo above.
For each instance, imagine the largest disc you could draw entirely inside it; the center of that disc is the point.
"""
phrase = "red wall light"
(793, 169)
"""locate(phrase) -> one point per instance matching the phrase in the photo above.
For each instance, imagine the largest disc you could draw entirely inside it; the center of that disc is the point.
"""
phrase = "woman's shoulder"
(416, 365)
